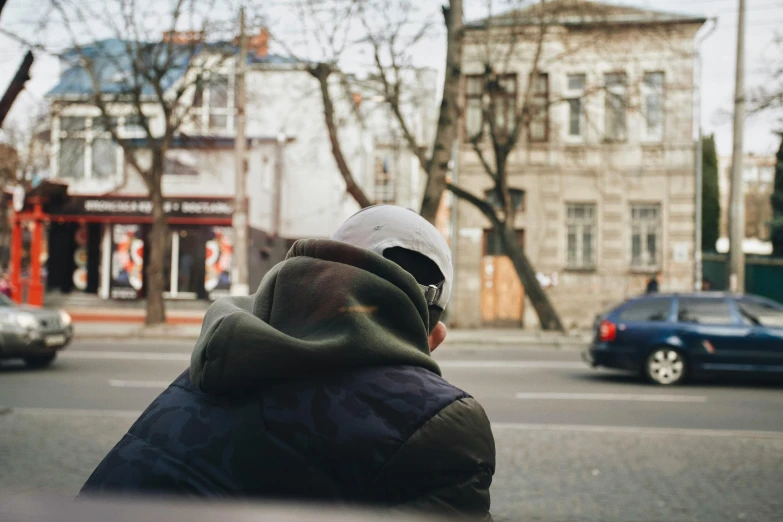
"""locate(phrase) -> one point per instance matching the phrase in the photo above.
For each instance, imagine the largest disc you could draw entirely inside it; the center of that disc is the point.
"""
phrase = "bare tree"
(153, 78)
(508, 120)
(325, 32)
(333, 28)
(769, 96)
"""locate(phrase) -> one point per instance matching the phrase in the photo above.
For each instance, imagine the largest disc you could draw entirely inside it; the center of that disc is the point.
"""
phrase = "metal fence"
(763, 275)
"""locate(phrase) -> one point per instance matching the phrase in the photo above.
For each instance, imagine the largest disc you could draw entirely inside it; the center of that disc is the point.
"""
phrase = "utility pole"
(698, 259)
(277, 189)
(737, 205)
(239, 276)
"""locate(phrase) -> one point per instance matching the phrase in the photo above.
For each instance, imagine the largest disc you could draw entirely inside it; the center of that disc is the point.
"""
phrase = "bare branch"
(321, 72)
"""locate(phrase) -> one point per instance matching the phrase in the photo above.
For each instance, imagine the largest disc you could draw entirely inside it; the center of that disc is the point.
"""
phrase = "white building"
(293, 183)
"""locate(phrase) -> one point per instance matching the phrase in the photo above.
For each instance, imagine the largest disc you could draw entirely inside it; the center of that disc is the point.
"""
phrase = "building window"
(385, 191)
(580, 235)
(219, 103)
(517, 199)
(104, 157)
(575, 93)
(474, 115)
(652, 93)
(503, 92)
(615, 107)
(645, 236)
(493, 246)
(133, 126)
(538, 129)
(213, 102)
(87, 150)
(71, 158)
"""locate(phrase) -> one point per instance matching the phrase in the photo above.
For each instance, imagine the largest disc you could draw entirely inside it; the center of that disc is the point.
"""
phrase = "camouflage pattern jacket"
(318, 387)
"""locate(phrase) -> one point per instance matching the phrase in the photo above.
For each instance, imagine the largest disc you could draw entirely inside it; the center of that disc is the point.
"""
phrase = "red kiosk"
(28, 207)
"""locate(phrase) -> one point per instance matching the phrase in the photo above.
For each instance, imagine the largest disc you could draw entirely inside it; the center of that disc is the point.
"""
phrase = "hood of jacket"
(328, 307)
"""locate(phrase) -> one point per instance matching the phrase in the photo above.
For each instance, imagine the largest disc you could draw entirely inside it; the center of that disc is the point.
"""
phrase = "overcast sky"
(764, 17)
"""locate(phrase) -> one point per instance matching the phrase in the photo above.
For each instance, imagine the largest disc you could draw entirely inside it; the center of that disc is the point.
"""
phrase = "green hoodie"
(328, 306)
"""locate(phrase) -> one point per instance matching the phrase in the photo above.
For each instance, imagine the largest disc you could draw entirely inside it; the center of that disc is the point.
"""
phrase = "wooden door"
(502, 294)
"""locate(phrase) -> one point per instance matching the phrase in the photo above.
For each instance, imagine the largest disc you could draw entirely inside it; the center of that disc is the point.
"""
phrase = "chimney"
(259, 44)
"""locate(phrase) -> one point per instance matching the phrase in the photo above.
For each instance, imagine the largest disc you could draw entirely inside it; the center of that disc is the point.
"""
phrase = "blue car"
(669, 338)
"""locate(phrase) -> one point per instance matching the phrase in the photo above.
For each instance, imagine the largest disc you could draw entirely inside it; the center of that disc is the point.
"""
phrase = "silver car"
(32, 334)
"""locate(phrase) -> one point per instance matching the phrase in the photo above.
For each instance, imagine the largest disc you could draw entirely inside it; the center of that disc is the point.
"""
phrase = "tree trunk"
(448, 119)
(156, 242)
(321, 73)
(547, 315)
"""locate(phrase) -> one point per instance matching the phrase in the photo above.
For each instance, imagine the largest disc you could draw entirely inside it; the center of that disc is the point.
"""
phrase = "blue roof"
(111, 60)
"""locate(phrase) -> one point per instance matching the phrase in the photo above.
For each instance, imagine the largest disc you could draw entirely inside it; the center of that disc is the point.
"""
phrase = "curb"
(526, 344)
(80, 317)
(474, 344)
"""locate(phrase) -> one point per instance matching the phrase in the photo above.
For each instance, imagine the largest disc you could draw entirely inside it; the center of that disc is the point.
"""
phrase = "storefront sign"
(142, 207)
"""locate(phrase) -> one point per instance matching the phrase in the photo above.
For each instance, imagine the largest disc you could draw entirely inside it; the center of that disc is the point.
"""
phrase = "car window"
(650, 310)
(761, 312)
(704, 311)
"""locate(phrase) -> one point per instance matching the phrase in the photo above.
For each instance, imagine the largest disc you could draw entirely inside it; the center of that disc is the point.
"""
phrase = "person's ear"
(437, 336)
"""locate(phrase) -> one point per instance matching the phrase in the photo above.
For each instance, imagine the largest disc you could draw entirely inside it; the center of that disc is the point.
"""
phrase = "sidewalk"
(187, 327)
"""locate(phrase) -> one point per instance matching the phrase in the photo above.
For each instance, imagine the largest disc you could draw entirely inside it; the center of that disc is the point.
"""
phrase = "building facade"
(97, 234)
(602, 177)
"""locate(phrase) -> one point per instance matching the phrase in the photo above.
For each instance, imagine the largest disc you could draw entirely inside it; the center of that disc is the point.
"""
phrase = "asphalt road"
(573, 443)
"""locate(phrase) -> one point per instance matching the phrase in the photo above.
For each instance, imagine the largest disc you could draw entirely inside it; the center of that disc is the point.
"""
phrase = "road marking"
(635, 397)
(138, 384)
(552, 365)
(638, 430)
(77, 412)
(129, 356)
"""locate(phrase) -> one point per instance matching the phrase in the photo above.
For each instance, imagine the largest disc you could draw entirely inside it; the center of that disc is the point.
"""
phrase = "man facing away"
(321, 387)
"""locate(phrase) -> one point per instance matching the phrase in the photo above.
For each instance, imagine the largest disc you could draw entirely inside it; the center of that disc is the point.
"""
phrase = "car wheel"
(40, 361)
(666, 366)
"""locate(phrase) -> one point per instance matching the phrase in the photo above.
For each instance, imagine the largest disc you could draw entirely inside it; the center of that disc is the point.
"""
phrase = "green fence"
(763, 275)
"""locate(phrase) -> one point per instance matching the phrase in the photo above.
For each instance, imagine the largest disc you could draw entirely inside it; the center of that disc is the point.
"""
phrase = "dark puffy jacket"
(328, 397)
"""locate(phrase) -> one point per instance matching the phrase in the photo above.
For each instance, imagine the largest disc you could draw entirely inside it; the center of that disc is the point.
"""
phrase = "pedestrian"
(652, 284)
(706, 285)
(321, 387)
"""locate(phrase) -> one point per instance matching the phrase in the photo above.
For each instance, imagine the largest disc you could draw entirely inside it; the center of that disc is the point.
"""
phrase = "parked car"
(33, 334)
(669, 338)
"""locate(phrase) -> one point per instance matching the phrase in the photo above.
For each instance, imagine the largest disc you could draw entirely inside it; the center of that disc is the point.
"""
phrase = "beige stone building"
(603, 178)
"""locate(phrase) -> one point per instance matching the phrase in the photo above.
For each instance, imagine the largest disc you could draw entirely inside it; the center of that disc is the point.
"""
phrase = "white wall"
(314, 201)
